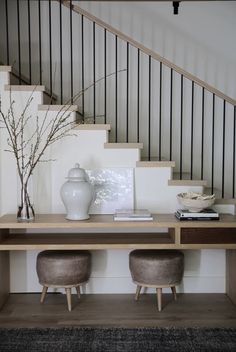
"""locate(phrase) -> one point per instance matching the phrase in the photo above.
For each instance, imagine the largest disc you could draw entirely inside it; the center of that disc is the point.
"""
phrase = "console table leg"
(4, 277)
(230, 274)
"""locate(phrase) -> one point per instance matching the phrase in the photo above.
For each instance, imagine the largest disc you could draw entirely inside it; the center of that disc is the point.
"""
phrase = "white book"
(125, 218)
(132, 213)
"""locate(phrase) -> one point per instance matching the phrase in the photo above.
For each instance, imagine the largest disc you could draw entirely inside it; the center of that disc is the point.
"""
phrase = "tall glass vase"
(25, 210)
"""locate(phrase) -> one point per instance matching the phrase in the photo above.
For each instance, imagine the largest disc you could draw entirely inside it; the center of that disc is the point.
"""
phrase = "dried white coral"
(195, 195)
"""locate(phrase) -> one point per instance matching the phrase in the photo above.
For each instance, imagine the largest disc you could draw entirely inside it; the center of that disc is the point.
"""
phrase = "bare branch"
(29, 138)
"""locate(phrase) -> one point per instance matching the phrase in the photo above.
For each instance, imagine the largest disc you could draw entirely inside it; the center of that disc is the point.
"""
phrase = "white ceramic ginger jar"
(77, 194)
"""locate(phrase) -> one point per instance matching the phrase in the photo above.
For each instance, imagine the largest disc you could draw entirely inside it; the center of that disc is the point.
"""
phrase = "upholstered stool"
(65, 269)
(156, 268)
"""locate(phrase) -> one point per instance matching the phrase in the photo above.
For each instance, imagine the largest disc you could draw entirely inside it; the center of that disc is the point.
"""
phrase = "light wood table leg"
(68, 296)
(43, 294)
(137, 292)
(159, 292)
(173, 289)
(78, 291)
(4, 272)
(230, 274)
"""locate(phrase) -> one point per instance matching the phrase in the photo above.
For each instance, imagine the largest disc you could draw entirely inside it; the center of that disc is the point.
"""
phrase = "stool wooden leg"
(159, 292)
(173, 289)
(137, 292)
(78, 291)
(43, 294)
(68, 296)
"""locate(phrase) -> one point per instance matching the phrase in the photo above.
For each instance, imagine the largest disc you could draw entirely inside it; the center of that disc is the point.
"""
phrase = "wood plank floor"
(119, 310)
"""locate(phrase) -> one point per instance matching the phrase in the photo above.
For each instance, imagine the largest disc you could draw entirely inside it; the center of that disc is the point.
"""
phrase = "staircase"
(153, 186)
(157, 112)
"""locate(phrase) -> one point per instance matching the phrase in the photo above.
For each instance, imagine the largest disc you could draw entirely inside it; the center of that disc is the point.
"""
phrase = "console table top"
(9, 221)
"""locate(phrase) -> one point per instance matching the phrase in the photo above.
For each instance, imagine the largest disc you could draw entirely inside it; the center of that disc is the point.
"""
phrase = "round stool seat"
(63, 268)
(157, 267)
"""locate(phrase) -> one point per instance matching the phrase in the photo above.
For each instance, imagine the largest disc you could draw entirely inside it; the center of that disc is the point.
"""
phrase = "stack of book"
(205, 214)
(132, 215)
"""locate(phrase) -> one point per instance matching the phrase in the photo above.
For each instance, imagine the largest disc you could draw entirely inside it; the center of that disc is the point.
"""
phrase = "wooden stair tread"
(93, 127)
(187, 183)
(185, 180)
(42, 107)
(143, 163)
(27, 88)
(123, 145)
(5, 68)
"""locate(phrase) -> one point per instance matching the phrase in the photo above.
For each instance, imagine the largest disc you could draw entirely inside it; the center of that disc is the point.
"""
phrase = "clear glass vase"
(25, 212)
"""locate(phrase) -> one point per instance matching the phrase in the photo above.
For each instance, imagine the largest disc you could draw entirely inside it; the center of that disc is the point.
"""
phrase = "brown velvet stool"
(65, 269)
(156, 268)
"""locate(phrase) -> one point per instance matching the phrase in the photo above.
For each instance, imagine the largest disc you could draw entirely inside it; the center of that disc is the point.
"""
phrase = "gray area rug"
(117, 340)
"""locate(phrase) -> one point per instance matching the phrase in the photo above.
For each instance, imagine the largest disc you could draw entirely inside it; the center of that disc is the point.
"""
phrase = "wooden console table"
(174, 234)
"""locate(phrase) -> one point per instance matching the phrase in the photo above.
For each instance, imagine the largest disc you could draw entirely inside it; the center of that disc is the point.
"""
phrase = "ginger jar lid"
(77, 174)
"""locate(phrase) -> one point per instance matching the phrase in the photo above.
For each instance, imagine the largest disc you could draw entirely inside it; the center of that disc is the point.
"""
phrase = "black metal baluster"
(105, 75)
(116, 90)
(181, 129)
(19, 38)
(50, 45)
(171, 110)
(127, 98)
(82, 62)
(40, 44)
(202, 144)
(234, 135)
(7, 32)
(192, 116)
(160, 108)
(138, 94)
(71, 56)
(29, 39)
(149, 106)
(94, 75)
(213, 144)
(223, 154)
(61, 69)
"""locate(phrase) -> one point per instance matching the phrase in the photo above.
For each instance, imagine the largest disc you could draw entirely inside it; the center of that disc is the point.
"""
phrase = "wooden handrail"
(150, 52)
